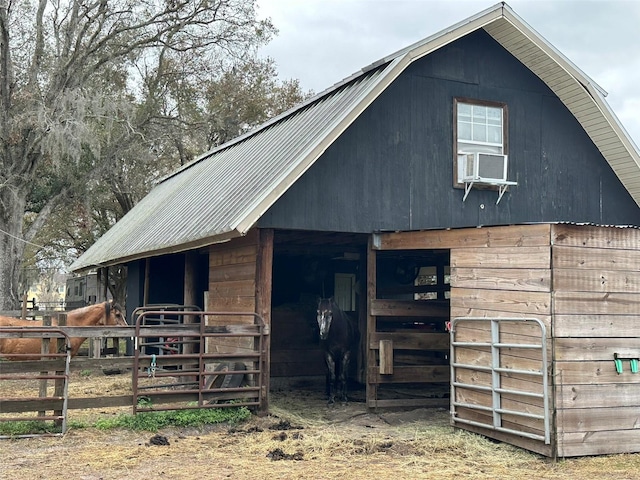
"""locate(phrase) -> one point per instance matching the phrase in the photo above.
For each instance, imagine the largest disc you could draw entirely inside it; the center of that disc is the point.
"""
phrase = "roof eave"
(201, 243)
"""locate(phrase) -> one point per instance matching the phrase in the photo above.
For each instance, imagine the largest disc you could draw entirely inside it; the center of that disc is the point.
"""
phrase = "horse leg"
(331, 377)
(344, 374)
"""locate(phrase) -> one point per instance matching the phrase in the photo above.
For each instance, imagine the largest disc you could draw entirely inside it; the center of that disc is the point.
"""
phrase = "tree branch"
(44, 214)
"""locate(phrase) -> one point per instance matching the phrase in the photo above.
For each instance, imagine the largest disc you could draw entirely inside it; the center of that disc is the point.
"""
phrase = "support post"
(42, 392)
(59, 382)
(147, 266)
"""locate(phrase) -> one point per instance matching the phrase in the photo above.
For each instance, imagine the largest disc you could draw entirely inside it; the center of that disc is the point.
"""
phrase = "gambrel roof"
(223, 193)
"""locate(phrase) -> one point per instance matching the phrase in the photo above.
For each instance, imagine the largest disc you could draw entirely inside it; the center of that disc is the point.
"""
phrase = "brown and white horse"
(106, 313)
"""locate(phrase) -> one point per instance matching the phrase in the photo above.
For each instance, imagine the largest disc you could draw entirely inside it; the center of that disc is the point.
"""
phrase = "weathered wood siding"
(502, 272)
(596, 312)
(240, 281)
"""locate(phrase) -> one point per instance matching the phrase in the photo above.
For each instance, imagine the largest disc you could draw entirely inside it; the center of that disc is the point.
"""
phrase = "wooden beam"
(264, 288)
(147, 267)
(530, 303)
(523, 279)
(409, 402)
(411, 340)
(603, 303)
(585, 258)
(508, 236)
(580, 444)
(585, 349)
(411, 374)
(502, 257)
(593, 372)
(595, 237)
(371, 388)
(598, 396)
(409, 308)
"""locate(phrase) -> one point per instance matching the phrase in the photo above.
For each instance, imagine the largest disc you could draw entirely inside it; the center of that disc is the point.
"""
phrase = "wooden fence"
(175, 381)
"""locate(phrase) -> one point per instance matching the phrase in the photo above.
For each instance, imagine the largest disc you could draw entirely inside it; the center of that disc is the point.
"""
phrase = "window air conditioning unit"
(484, 168)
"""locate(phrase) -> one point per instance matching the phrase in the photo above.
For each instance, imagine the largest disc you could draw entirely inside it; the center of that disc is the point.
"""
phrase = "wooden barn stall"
(407, 346)
(540, 314)
(308, 266)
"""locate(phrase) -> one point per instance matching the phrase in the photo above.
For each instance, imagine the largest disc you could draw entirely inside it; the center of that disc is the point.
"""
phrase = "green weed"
(153, 421)
(28, 427)
(146, 421)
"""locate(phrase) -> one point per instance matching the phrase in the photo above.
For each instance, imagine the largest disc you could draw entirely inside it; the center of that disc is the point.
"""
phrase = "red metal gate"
(177, 367)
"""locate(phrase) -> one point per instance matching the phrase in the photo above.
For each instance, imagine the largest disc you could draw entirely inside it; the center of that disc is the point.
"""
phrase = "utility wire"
(22, 239)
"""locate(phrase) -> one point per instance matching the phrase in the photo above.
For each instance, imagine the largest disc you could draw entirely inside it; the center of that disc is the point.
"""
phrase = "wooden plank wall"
(596, 307)
(502, 272)
(233, 267)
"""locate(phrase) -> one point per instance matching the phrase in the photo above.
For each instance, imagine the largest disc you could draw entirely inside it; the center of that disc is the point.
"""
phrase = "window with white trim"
(480, 127)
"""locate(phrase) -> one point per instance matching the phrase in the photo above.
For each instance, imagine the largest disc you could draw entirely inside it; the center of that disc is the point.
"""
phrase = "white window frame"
(464, 146)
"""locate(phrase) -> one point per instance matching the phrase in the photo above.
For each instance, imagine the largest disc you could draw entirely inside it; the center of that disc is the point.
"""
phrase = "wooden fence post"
(24, 307)
(42, 392)
(59, 382)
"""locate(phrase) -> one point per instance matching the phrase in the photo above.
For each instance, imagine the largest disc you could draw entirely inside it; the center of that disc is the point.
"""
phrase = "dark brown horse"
(338, 337)
(106, 313)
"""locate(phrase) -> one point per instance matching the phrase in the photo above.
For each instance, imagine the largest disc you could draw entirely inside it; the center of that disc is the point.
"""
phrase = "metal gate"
(176, 368)
(34, 376)
(479, 370)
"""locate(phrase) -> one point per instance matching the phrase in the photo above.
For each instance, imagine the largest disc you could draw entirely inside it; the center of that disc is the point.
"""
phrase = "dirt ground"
(302, 438)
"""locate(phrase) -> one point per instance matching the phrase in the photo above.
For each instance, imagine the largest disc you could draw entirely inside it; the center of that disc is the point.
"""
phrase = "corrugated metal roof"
(224, 192)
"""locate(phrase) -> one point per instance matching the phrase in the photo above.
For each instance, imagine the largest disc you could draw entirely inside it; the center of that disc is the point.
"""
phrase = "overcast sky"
(320, 42)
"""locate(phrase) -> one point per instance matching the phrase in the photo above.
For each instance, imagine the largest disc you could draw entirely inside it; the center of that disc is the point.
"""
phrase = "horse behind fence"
(338, 337)
(106, 313)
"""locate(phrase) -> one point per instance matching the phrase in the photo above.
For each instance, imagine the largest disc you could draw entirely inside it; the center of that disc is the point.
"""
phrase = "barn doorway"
(408, 346)
(307, 266)
(408, 291)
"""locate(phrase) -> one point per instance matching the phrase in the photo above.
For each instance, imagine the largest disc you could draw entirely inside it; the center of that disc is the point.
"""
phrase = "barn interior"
(411, 299)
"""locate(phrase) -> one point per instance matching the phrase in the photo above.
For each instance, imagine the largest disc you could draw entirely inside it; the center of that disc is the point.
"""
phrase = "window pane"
(494, 116)
(479, 133)
(464, 110)
(464, 131)
(495, 134)
(479, 114)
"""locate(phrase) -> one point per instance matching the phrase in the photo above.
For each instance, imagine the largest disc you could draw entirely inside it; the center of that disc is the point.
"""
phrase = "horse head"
(325, 316)
(114, 314)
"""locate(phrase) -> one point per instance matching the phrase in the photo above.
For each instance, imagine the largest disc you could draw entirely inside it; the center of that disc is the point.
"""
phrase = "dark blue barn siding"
(393, 168)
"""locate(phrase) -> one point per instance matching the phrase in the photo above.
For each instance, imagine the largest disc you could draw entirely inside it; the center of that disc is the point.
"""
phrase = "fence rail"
(202, 378)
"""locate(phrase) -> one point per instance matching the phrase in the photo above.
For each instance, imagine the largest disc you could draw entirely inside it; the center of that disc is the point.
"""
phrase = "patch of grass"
(28, 427)
(35, 427)
(153, 421)
(78, 424)
(85, 373)
(146, 421)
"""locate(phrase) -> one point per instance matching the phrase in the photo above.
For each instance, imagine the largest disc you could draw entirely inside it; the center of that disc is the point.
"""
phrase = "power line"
(22, 239)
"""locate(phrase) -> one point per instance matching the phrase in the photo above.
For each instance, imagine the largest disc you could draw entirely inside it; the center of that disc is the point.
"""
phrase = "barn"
(471, 199)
